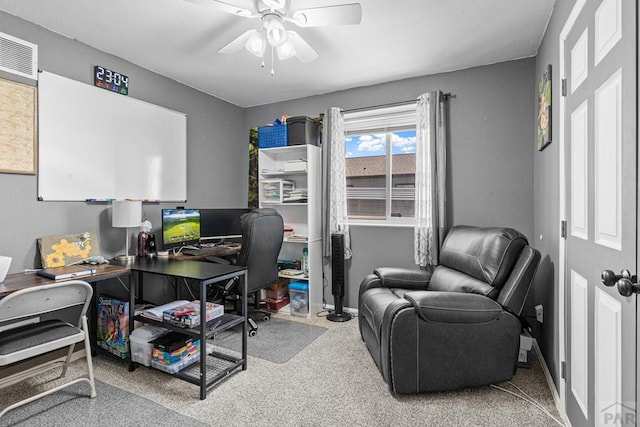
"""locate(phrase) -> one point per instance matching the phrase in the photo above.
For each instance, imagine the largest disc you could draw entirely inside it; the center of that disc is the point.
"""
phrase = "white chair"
(24, 335)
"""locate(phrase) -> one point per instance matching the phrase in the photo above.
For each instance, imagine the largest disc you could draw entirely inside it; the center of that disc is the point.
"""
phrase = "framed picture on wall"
(544, 109)
(18, 131)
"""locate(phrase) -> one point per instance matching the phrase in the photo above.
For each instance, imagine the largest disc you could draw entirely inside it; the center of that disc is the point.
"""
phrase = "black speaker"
(337, 278)
(151, 244)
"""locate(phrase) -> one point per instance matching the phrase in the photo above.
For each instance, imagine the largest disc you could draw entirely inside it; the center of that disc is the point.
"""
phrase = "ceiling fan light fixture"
(275, 4)
(286, 51)
(255, 44)
(276, 33)
(299, 18)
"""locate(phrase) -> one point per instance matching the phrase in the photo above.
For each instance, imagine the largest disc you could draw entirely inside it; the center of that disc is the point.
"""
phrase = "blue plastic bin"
(299, 298)
(272, 136)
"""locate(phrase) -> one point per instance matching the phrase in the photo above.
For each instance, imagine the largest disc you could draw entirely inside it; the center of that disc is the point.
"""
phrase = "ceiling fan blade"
(343, 14)
(304, 52)
(233, 7)
(236, 44)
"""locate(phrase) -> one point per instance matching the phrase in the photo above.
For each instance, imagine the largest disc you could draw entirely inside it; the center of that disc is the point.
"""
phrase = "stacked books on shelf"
(288, 230)
(298, 195)
(291, 272)
(297, 238)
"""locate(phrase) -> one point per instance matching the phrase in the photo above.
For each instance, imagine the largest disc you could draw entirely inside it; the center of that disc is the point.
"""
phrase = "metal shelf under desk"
(215, 366)
(218, 365)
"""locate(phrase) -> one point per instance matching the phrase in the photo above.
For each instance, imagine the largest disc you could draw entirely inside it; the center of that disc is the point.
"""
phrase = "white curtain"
(334, 189)
(430, 197)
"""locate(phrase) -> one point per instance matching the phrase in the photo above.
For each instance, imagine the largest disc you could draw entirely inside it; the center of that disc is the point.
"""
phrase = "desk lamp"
(126, 213)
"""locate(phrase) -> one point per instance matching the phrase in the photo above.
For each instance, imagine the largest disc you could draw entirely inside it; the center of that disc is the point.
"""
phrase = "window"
(380, 163)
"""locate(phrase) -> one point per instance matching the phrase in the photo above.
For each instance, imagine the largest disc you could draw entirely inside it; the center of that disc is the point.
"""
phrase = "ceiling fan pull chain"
(273, 73)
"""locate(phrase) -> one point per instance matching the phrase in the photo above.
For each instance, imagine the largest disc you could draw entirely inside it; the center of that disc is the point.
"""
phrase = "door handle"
(609, 278)
(627, 284)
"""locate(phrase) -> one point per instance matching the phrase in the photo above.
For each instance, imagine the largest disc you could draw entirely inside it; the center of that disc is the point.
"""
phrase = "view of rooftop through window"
(381, 186)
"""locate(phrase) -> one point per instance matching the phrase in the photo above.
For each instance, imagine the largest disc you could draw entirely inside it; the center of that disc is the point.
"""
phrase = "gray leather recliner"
(456, 326)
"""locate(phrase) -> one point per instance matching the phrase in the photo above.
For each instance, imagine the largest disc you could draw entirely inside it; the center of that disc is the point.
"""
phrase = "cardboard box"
(278, 291)
(113, 325)
(276, 305)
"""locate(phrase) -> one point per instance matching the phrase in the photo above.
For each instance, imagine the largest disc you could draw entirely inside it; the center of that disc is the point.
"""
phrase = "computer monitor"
(180, 227)
(221, 224)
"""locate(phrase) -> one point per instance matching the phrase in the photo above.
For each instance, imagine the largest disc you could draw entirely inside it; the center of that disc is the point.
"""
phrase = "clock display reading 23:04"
(110, 80)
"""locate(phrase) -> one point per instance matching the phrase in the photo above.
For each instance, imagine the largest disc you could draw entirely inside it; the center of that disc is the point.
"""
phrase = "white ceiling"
(396, 40)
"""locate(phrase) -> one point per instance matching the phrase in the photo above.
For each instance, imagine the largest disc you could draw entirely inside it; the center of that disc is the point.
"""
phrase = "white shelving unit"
(284, 163)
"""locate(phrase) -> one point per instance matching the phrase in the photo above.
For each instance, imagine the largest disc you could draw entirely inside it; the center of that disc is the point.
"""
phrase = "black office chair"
(262, 234)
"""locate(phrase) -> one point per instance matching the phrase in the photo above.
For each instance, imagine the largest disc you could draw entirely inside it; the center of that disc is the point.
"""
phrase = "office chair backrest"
(44, 299)
(262, 234)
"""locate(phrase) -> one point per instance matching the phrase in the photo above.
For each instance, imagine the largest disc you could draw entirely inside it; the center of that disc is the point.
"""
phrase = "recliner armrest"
(394, 277)
(453, 307)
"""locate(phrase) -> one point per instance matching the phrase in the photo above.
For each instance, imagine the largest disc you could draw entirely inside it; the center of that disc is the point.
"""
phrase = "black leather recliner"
(456, 326)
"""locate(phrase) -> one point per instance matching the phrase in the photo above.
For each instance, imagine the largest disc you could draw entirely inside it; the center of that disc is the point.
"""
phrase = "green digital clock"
(110, 80)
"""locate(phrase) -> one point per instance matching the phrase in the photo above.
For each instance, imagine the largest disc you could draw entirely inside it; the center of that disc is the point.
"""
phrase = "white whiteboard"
(97, 144)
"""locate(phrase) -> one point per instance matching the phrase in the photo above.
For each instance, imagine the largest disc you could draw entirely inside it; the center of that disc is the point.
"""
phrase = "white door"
(600, 161)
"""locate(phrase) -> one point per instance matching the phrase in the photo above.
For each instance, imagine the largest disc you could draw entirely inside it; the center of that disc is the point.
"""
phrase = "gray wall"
(490, 165)
(546, 197)
(490, 158)
(217, 152)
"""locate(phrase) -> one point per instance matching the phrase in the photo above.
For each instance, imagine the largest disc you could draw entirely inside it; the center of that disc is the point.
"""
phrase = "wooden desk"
(17, 281)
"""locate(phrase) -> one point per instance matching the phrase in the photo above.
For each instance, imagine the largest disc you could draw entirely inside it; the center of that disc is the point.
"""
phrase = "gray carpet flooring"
(112, 407)
(276, 340)
(332, 381)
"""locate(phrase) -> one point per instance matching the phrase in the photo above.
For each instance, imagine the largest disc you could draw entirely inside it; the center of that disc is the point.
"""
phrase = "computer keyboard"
(204, 251)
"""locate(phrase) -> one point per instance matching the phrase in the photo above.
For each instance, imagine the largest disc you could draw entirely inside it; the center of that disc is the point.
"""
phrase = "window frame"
(383, 121)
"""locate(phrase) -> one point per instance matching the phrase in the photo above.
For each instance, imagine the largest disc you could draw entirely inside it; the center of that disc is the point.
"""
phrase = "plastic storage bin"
(275, 190)
(299, 297)
(272, 136)
(141, 348)
(303, 130)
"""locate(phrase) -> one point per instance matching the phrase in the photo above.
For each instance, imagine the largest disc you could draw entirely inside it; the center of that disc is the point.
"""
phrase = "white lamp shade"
(5, 263)
(276, 33)
(286, 50)
(126, 213)
(255, 44)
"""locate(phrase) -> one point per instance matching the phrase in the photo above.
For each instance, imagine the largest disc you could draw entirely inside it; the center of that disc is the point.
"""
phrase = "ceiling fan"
(272, 32)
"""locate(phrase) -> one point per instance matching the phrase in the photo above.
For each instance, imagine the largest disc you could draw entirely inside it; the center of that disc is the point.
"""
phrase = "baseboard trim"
(550, 383)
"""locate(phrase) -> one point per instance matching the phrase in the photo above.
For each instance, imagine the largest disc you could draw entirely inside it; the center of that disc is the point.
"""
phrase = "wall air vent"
(18, 57)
